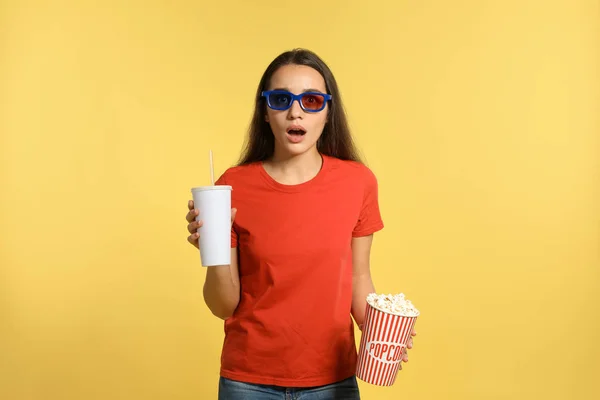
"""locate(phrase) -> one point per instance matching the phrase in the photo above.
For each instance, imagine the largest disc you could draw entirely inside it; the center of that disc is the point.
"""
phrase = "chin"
(299, 149)
(296, 149)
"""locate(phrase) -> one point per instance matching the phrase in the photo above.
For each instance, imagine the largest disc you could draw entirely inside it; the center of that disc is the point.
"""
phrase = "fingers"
(405, 352)
(193, 239)
(192, 214)
(405, 356)
(194, 226)
(408, 346)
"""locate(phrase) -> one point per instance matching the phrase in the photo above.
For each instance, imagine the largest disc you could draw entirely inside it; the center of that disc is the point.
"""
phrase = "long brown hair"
(335, 141)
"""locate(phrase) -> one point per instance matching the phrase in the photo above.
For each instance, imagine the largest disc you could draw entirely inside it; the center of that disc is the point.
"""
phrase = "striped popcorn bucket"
(384, 338)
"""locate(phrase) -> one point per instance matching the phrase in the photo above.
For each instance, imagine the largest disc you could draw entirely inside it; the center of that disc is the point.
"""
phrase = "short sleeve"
(369, 220)
(234, 236)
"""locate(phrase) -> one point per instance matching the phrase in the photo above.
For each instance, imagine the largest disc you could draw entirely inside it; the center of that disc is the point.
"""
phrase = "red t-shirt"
(293, 325)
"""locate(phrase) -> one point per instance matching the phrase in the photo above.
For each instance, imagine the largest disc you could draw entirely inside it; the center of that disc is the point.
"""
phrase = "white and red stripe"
(382, 331)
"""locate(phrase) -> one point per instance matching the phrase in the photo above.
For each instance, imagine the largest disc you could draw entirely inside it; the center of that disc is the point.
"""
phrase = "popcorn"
(389, 322)
(393, 304)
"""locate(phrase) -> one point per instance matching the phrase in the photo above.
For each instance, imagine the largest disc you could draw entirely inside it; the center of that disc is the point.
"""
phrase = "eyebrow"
(304, 91)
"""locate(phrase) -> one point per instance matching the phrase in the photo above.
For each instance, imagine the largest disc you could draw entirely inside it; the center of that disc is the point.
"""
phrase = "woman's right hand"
(193, 225)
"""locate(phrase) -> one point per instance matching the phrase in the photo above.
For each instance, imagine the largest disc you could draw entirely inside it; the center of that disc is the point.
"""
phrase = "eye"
(313, 101)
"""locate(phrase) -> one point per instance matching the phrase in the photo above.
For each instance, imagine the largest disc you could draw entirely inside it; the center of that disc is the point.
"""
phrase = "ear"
(267, 118)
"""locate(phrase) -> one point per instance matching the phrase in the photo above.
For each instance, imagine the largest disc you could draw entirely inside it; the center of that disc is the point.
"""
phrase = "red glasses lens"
(313, 101)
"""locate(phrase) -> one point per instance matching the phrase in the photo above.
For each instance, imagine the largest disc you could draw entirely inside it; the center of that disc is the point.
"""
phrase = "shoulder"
(357, 170)
(236, 173)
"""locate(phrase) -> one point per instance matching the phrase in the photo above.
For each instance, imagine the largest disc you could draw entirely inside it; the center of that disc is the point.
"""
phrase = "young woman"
(304, 211)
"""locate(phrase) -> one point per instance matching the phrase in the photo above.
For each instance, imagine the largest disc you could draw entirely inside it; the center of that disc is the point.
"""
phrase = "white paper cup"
(214, 209)
(384, 338)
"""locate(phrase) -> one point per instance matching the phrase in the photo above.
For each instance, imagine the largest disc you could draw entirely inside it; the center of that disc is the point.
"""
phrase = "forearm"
(222, 290)
(362, 286)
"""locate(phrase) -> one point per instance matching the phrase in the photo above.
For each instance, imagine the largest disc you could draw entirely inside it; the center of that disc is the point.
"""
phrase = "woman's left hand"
(409, 346)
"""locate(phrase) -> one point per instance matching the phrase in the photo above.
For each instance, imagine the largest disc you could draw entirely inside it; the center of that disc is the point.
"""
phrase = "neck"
(293, 170)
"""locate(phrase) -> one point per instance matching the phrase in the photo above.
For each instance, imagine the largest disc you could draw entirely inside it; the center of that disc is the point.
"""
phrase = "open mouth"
(296, 131)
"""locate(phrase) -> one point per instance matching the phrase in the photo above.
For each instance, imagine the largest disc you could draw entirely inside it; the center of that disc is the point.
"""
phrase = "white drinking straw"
(212, 169)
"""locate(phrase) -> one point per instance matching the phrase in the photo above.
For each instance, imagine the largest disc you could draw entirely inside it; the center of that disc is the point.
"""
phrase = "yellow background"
(480, 119)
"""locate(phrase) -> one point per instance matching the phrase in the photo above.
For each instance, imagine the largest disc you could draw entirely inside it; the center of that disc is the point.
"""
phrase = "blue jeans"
(234, 390)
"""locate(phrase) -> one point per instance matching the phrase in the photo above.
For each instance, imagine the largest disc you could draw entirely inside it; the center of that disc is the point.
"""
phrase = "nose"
(295, 111)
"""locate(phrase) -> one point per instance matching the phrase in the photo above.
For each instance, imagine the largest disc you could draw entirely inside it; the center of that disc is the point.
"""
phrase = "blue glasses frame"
(295, 97)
